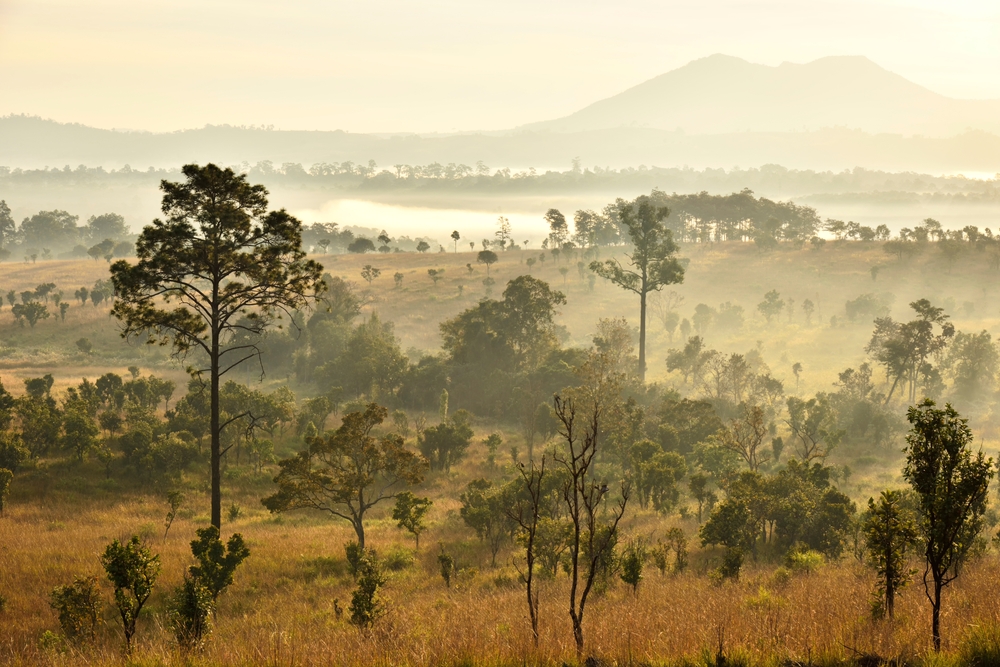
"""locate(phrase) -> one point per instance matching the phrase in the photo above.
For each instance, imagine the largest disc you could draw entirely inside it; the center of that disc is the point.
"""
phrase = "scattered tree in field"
(890, 532)
(398, 279)
(132, 570)
(360, 246)
(423, 246)
(366, 605)
(445, 445)
(526, 512)
(435, 275)
(558, 228)
(771, 306)
(189, 613)
(676, 541)
(698, 486)
(63, 309)
(78, 606)
(632, 564)
(217, 563)
(487, 257)
(652, 262)
(503, 234)
(485, 509)
(592, 537)
(447, 565)
(456, 237)
(348, 472)
(174, 500)
(951, 484)
(30, 312)
(220, 268)
(409, 514)
(370, 273)
(324, 244)
(530, 262)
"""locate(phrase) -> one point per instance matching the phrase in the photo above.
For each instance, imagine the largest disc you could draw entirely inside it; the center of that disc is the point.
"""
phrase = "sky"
(441, 65)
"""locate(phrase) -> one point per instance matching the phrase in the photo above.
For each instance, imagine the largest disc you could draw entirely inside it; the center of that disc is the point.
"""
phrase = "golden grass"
(280, 611)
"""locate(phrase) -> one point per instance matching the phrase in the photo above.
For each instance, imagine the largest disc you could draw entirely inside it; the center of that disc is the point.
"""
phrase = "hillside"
(722, 94)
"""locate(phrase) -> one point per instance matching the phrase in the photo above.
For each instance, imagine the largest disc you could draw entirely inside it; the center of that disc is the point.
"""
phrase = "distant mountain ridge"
(831, 114)
(723, 94)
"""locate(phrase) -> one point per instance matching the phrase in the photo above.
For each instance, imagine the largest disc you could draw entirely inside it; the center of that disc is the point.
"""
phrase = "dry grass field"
(282, 608)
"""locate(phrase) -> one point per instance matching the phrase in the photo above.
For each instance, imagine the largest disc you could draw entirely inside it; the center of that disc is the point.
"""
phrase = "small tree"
(189, 613)
(423, 246)
(6, 477)
(889, 533)
(31, 312)
(951, 486)
(447, 564)
(526, 513)
(366, 605)
(771, 305)
(487, 257)
(456, 237)
(217, 563)
(409, 514)
(174, 499)
(485, 509)
(592, 538)
(632, 563)
(398, 279)
(132, 570)
(78, 606)
(370, 273)
(348, 472)
(435, 275)
(445, 444)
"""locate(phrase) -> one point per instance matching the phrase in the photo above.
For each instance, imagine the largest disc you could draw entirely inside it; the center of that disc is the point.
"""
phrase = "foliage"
(445, 445)
(366, 604)
(189, 612)
(348, 472)
(485, 509)
(78, 606)
(132, 570)
(409, 513)
(216, 563)
(890, 530)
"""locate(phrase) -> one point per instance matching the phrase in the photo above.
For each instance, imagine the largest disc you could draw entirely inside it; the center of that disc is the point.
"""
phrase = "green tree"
(487, 257)
(366, 605)
(890, 531)
(348, 472)
(78, 606)
(6, 477)
(79, 430)
(370, 273)
(218, 266)
(485, 508)
(217, 563)
(423, 246)
(456, 237)
(132, 570)
(30, 312)
(652, 261)
(409, 514)
(771, 306)
(951, 484)
(445, 445)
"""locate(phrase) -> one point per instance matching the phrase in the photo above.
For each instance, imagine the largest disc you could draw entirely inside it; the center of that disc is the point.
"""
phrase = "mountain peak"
(721, 93)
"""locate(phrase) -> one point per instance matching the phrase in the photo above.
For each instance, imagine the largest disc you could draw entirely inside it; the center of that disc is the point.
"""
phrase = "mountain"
(722, 94)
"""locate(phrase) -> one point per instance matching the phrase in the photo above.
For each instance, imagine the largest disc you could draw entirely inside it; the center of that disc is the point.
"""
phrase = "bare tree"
(592, 537)
(525, 513)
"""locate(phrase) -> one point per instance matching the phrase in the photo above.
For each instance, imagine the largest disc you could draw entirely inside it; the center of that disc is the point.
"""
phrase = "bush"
(981, 647)
(132, 569)
(217, 563)
(77, 605)
(397, 558)
(804, 560)
(189, 613)
(366, 605)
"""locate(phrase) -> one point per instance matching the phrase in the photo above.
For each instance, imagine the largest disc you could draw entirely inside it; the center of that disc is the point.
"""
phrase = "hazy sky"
(442, 65)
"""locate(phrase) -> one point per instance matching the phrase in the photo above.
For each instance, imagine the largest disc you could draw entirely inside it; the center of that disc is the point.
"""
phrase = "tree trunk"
(642, 334)
(216, 434)
(936, 617)
(359, 530)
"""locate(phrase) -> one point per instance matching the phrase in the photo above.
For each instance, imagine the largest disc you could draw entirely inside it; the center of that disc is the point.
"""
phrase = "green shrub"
(981, 647)
(366, 605)
(217, 563)
(397, 558)
(804, 560)
(132, 569)
(77, 605)
(189, 612)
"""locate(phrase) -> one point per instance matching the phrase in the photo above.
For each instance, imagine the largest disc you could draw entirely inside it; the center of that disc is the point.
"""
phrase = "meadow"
(286, 606)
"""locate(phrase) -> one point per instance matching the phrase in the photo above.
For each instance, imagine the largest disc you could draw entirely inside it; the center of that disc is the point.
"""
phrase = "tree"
(487, 257)
(397, 278)
(592, 537)
(485, 509)
(348, 472)
(217, 563)
(7, 225)
(504, 233)
(652, 260)
(558, 229)
(526, 514)
(370, 273)
(435, 275)
(771, 305)
(361, 245)
(951, 486)
(445, 444)
(423, 246)
(889, 532)
(132, 570)
(78, 605)
(456, 237)
(219, 266)
(409, 514)
(30, 312)
(745, 436)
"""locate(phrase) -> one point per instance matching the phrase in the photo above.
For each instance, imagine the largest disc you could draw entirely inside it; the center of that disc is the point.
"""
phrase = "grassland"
(282, 611)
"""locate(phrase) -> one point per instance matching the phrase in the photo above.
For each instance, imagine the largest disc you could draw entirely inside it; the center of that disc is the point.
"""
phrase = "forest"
(685, 429)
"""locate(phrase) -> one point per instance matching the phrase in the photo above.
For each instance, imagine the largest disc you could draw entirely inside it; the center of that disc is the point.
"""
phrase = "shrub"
(217, 563)
(447, 564)
(981, 647)
(804, 560)
(189, 613)
(397, 559)
(132, 569)
(77, 605)
(366, 605)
